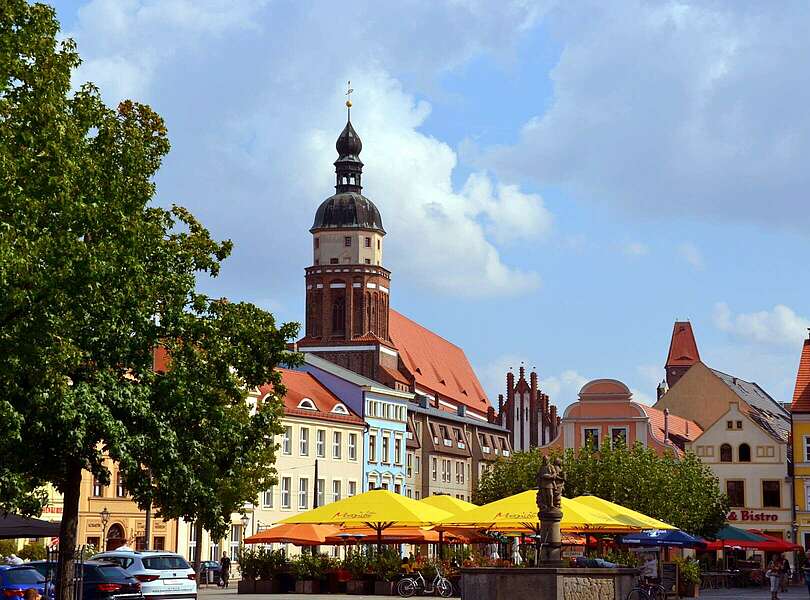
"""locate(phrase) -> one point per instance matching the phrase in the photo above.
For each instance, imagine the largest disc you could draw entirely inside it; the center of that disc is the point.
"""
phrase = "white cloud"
(635, 249)
(563, 389)
(252, 95)
(691, 254)
(642, 397)
(676, 108)
(780, 325)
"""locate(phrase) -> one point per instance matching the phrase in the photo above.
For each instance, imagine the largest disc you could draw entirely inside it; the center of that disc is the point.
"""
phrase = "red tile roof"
(437, 365)
(801, 395)
(683, 350)
(678, 426)
(302, 385)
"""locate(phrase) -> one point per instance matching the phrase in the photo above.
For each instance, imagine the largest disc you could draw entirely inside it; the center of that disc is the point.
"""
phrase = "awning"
(15, 526)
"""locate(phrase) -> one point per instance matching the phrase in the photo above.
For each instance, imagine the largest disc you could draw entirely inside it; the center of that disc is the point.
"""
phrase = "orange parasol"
(299, 534)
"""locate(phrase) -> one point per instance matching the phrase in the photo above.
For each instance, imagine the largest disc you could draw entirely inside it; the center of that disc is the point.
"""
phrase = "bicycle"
(408, 586)
(647, 590)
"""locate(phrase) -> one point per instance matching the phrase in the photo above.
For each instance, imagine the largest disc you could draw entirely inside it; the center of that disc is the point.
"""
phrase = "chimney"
(663, 388)
(666, 426)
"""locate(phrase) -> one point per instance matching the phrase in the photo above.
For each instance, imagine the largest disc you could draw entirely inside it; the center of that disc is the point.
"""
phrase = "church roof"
(801, 394)
(347, 210)
(683, 350)
(437, 365)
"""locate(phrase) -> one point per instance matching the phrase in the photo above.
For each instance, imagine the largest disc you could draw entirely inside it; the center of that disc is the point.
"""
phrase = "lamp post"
(245, 520)
(105, 518)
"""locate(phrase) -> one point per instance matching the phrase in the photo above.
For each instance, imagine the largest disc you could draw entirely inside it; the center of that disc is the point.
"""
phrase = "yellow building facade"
(800, 412)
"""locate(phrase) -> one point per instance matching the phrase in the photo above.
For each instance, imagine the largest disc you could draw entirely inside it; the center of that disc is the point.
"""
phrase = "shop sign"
(751, 516)
(54, 510)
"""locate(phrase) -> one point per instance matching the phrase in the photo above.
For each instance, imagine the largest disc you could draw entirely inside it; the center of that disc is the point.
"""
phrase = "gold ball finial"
(348, 103)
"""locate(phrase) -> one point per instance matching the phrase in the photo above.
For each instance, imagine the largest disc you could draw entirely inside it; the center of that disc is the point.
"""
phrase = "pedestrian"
(225, 570)
(774, 576)
(806, 570)
(785, 574)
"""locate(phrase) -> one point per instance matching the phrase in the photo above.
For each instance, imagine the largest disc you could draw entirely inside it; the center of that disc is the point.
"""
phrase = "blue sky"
(559, 181)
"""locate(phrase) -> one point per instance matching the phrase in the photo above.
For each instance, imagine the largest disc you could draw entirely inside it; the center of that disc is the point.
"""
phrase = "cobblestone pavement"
(213, 593)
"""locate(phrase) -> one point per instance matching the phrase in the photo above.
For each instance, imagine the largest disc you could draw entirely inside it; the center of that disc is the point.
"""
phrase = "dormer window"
(340, 409)
(307, 404)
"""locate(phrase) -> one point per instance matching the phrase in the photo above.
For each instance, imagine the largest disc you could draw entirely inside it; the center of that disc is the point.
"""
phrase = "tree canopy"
(93, 277)
(681, 491)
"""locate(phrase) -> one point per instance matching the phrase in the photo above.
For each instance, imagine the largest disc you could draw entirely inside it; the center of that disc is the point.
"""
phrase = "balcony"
(462, 445)
(448, 443)
(486, 449)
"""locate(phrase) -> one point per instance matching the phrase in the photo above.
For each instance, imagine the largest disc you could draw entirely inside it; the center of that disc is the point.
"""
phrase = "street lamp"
(105, 518)
(245, 520)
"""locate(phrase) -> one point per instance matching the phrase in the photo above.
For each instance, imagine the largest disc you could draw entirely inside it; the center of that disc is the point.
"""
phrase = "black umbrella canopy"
(15, 526)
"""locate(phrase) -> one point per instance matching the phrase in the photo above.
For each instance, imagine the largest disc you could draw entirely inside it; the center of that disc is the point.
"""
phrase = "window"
(729, 424)
(286, 440)
(807, 448)
(417, 495)
(739, 424)
(120, 489)
(744, 453)
(591, 436)
(320, 443)
(434, 467)
(340, 409)
(338, 315)
(333, 261)
(735, 490)
(352, 446)
(372, 447)
(409, 464)
(317, 243)
(213, 551)
(368, 242)
(418, 464)
(352, 488)
(337, 443)
(335, 490)
(98, 489)
(307, 404)
(725, 453)
(303, 492)
(303, 447)
(397, 488)
(347, 241)
(618, 436)
(192, 540)
(159, 542)
(286, 484)
(386, 458)
(267, 498)
(772, 494)
(459, 472)
(236, 538)
(320, 487)
(379, 244)
(368, 261)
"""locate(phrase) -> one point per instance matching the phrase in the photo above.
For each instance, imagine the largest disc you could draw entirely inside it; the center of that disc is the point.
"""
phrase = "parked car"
(14, 580)
(209, 571)
(100, 581)
(163, 575)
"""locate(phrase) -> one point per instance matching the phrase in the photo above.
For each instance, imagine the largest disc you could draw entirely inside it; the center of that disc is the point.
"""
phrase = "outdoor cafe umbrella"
(14, 526)
(454, 506)
(304, 534)
(664, 537)
(377, 509)
(734, 537)
(630, 517)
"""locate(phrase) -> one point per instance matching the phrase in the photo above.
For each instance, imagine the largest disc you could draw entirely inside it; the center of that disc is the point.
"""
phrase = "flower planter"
(246, 586)
(383, 588)
(308, 586)
(357, 587)
(689, 590)
(267, 586)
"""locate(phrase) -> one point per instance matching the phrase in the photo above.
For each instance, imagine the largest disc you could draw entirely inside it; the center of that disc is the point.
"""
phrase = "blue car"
(15, 580)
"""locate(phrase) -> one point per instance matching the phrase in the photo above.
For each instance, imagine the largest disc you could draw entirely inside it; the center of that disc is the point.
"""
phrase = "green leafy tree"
(94, 277)
(681, 491)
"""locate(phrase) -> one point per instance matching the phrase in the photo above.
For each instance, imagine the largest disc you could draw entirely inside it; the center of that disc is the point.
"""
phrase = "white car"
(163, 575)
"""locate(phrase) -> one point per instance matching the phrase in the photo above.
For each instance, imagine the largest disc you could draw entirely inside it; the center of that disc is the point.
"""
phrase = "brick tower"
(347, 287)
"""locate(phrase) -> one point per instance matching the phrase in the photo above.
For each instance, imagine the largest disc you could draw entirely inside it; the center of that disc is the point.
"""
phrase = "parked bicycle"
(413, 584)
(647, 590)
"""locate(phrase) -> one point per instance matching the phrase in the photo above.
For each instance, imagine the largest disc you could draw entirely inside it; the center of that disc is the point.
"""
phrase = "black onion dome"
(348, 210)
(348, 142)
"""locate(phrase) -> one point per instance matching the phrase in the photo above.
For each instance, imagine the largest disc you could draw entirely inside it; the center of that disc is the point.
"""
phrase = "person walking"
(225, 570)
(785, 579)
(774, 575)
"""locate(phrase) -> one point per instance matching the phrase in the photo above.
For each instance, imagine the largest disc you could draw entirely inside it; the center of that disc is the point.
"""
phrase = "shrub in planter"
(310, 570)
(246, 586)
(357, 564)
(387, 565)
(688, 577)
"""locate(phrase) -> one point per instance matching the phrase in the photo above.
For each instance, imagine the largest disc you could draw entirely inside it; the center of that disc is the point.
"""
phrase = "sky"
(559, 181)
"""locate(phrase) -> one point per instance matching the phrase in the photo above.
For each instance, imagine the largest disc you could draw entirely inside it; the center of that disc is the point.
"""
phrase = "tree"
(681, 491)
(94, 277)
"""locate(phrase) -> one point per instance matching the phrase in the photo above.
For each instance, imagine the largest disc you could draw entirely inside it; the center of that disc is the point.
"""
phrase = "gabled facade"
(800, 411)
(527, 412)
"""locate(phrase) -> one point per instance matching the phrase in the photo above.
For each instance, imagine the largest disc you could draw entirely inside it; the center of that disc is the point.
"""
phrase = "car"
(163, 575)
(101, 580)
(15, 580)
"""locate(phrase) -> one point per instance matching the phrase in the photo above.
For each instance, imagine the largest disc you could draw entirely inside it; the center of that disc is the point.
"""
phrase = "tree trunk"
(148, 528)
(67, 533)
(198, 533)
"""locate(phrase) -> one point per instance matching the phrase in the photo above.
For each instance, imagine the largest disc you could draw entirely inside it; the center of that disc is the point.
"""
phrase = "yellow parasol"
(377, 509)
(630, 517)
(519, 512)
(449, 503)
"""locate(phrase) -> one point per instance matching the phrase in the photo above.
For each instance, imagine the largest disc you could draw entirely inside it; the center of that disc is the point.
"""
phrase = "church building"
(527, 413)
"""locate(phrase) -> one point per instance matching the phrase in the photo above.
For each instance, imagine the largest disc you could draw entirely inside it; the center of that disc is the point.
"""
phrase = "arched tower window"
(744, 453)
(725, 453)
(339, 316)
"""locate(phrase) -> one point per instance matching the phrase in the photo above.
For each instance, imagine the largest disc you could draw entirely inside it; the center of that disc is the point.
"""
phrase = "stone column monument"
(550, 483)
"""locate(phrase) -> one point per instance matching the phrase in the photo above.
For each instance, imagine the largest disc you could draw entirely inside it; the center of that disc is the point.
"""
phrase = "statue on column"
(546, 481)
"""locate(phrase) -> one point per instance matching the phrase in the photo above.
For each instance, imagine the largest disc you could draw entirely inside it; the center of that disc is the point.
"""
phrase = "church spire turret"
(348, 166)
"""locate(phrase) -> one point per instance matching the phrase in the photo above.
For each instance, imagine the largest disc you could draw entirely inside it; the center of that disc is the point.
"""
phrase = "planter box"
(267, 586)
(246, 586)
(357, 587)
(308, 586)
(383, 588)
(689, 590)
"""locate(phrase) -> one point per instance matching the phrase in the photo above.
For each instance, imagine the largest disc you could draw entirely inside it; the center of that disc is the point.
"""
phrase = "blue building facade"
(385, 412)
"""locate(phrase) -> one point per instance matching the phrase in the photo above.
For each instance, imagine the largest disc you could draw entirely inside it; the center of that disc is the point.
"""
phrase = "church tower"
(347, 287)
